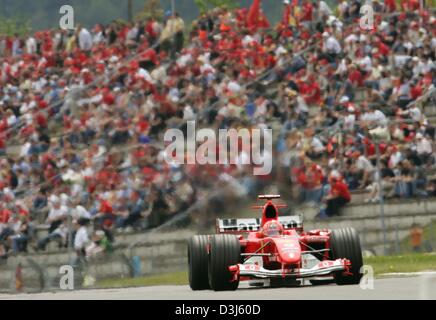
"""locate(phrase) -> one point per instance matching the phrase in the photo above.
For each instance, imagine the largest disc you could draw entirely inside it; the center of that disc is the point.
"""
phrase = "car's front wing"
(323, 268)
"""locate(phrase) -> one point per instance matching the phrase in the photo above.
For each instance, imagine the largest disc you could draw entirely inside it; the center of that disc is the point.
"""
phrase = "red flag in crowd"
(256, 19)
(253, 14)
(286, 14)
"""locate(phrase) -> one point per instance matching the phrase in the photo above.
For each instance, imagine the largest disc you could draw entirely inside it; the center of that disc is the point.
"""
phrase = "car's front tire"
(225, 251)
(345, 243)
(197, 261)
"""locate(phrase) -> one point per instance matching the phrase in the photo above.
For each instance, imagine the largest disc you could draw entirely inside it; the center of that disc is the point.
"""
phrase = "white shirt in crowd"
(324, 9)
(332, 45)
(81, 238)
(80, 212)
(16, 47)
(234, 87)
(142, 73)
(423, 146)
(247, 40)
(395, 159)
(349, 121)
(317, 145)
(400, 60)
(402, 90)
(415, 113)
(11, 120)
(301, 105)
(31, 45)
(184, 60)
(85, 40)
(56, 213)
(132, 33)
(62, 230)
(98, 38)
(419, 67)
(375, 116)
(362, 163)
(366, 64)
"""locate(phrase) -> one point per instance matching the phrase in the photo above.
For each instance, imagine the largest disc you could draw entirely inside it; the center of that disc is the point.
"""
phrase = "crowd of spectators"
(367, 89)
(83, 113)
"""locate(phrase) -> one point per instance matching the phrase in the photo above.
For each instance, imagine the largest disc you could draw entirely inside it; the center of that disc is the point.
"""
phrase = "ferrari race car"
(272, 248)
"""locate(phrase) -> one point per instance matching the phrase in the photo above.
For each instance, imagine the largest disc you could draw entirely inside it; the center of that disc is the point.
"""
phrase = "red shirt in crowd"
(307, 12)
(314, 176)
(356, 78)
(313, 93)
(150, 29)
(416, 92)
(105, 207)
(391, 5)
(410, 5)
(383, 49)
(150, 55)
(339, 188)
(5, 215)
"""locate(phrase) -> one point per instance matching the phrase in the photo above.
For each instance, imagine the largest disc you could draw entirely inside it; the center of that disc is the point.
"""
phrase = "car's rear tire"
(197, 261)
(345, 243)
(225, 251)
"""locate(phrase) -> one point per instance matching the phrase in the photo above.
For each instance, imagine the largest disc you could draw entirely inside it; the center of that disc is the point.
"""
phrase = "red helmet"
(272, 228)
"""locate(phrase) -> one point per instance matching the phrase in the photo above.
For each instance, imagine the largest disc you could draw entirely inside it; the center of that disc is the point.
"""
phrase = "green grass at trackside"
(380, 265)
(177, 278)
(403, 263)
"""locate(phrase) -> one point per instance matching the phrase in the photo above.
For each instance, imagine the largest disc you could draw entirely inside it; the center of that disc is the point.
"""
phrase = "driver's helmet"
(272, 228)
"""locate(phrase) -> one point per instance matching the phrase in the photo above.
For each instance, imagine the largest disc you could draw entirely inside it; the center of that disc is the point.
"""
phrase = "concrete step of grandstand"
(392, 208)
(124, 241)
(373, 239)
(157, 253)
(359, 96)
(373, 224)
(365, 218)
(430, 110)
(359, 196)
(35, 279)
(432, 120)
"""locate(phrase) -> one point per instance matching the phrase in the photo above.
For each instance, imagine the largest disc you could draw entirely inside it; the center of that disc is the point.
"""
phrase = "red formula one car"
(272, 248)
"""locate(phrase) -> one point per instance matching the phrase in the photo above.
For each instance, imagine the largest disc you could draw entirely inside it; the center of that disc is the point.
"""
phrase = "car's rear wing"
(253, 224)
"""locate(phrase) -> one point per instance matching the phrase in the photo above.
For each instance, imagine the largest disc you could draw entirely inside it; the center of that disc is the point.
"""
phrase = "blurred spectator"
(100, 244)
(81, 238)
(416, 238)
(85, 38)
(387, 176)
(338, 197)
(57, 213)
(59, 235)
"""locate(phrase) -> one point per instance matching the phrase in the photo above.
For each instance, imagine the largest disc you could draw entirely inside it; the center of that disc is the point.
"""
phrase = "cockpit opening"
(270, 212)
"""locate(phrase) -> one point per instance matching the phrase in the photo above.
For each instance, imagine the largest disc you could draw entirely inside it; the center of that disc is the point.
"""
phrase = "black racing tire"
(345, 243)
(197, 261)
(225, 251)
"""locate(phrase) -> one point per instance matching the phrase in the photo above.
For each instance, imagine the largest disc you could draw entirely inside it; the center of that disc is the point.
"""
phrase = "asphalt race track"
(387, 288)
